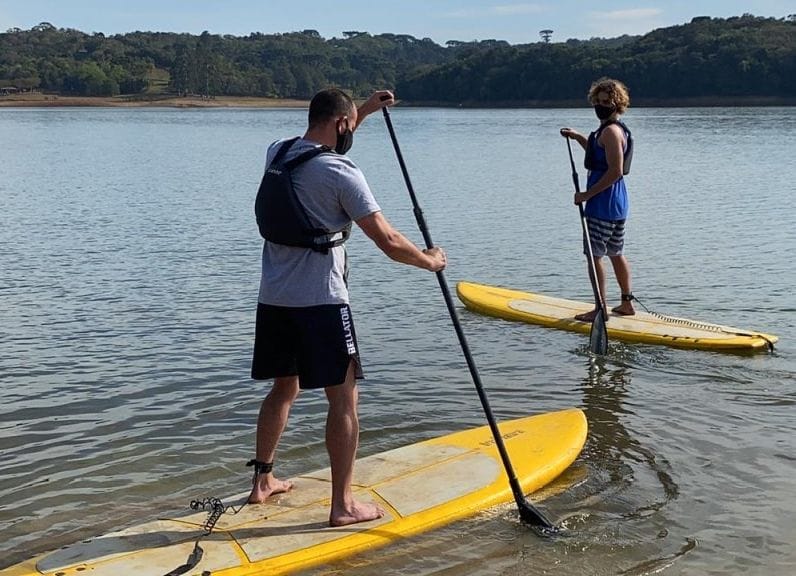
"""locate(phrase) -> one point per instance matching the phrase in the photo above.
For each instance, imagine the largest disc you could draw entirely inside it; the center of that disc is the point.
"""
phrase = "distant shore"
(38, 100)
(695, 102)
(53, 100)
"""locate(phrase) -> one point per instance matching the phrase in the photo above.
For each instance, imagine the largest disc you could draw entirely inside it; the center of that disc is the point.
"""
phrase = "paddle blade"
(534, 518)
(598, 337)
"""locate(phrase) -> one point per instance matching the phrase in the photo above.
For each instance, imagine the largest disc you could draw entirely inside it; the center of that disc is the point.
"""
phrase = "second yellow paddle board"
(641, 327)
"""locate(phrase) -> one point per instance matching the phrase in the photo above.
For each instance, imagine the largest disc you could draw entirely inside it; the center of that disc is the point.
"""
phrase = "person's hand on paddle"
(575, 135)
(378, 100)
(580, 197)
(438, 258)
(568, 132)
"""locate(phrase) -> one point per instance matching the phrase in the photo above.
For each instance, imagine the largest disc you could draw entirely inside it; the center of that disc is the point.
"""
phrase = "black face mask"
(604, 112)
(344, 141)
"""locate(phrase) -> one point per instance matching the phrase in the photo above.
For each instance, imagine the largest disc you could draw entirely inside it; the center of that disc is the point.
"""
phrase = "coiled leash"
(697, 325)
(216, 509)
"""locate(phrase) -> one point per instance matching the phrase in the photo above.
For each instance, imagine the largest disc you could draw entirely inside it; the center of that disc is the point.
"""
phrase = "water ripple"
(128, 305)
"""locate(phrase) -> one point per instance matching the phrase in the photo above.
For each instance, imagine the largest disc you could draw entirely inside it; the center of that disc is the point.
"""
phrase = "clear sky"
(514, 21)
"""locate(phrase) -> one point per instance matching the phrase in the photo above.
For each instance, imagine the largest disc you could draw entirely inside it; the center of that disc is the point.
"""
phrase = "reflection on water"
(129, 261)
(606, 404)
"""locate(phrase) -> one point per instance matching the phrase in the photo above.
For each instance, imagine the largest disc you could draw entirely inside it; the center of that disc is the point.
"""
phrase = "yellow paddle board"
(641, 327)
(421, 486)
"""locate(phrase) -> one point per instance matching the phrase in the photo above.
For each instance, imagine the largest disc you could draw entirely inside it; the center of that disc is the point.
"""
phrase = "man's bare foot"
(357, 512)
(266, 485)
(624, 309)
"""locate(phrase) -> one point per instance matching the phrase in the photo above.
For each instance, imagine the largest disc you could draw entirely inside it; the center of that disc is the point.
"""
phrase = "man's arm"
(396, 246)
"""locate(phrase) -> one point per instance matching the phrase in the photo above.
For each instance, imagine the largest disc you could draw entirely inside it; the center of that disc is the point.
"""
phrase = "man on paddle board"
(608, 154)
(310, 194)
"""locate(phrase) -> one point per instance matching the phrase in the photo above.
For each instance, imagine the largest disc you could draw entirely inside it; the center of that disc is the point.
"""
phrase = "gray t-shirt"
(334, 193)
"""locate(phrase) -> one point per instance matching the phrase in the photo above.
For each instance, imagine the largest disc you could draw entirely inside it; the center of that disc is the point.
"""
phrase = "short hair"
(616, 91)
(328, 104)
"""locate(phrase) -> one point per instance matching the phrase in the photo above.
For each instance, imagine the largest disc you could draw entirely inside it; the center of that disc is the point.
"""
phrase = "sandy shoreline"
(48, 100)
(52, 100)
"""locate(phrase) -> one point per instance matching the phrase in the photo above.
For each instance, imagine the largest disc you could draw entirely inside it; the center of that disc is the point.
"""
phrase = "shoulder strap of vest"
(283, 150)
(621, 124)
(308, 155)
(599, 131)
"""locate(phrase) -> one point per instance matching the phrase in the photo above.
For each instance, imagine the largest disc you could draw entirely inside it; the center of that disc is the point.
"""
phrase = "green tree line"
(291, 65)
(708, 57)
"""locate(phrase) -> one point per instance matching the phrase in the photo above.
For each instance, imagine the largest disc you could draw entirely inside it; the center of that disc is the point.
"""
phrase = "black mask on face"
(604, 112)
(344, 141)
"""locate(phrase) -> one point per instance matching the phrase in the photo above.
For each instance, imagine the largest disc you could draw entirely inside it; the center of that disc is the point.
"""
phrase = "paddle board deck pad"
(420, 486)
(649, 328)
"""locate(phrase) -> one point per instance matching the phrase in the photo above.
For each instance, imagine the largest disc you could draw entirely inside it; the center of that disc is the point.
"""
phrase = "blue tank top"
(612, 203)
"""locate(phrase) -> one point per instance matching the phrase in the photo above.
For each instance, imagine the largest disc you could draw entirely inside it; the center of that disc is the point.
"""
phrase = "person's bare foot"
(624, 309)
(267, 485)
(587, 316)
(357, 512)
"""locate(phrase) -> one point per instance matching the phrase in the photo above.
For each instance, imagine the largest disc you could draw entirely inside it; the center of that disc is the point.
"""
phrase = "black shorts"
(315, 343)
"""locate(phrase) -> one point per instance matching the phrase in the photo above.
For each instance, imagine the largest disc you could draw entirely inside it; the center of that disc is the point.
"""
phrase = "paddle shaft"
(527, 512)
(595, 285)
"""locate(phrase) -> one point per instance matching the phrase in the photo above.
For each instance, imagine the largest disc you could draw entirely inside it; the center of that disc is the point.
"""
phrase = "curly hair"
(616, 91)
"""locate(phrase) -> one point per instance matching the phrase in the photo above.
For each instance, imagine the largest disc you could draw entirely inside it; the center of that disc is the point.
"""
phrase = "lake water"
(129, 266)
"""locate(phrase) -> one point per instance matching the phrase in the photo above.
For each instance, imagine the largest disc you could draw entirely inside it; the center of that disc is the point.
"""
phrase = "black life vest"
(281, 217)
(591, 162)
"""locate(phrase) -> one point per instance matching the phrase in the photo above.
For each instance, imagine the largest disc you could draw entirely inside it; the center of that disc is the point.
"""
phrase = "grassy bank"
(132, 101)
(47, 100)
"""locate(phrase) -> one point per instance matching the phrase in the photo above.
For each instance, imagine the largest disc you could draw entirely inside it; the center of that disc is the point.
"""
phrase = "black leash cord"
(216, 510)
(702, 326)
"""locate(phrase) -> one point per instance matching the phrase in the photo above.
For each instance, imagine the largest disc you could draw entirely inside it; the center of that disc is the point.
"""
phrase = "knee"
(284, 389)
(343, 397)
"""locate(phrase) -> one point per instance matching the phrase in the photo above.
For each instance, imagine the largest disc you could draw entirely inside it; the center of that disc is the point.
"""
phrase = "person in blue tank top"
(608, 153)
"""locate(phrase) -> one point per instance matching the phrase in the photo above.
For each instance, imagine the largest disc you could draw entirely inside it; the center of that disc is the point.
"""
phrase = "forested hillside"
(292, 65)
(745, 56)
(707, 58)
